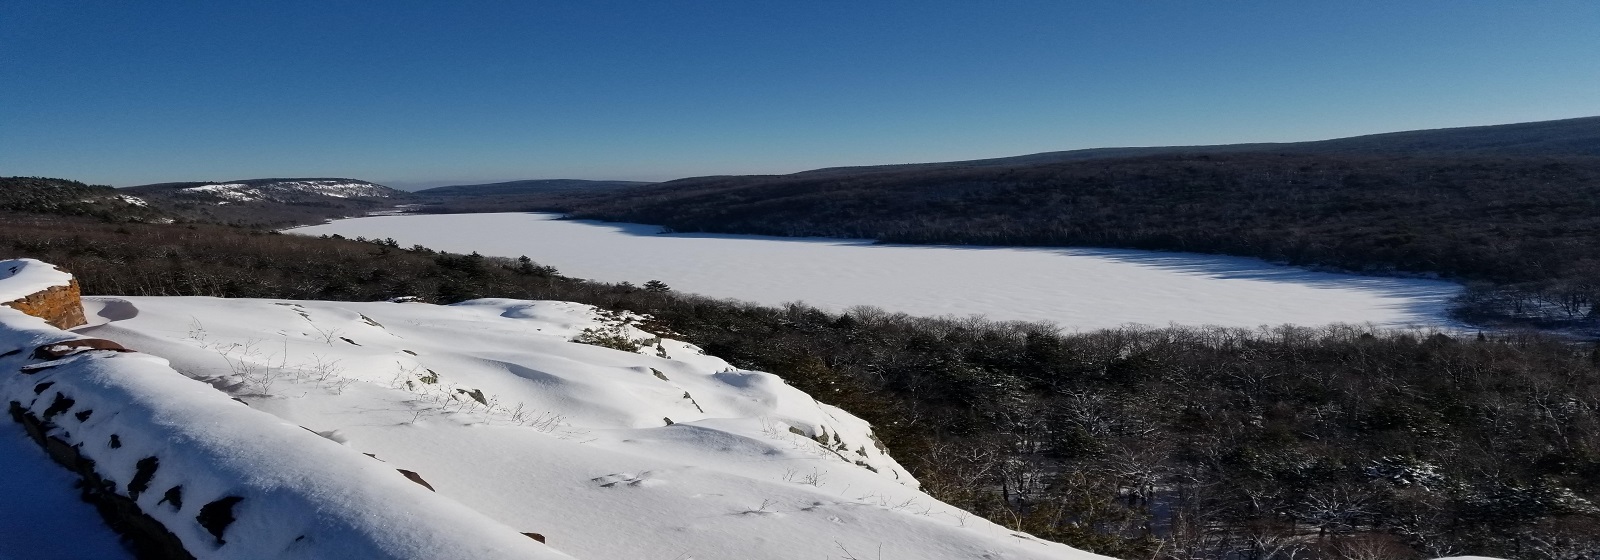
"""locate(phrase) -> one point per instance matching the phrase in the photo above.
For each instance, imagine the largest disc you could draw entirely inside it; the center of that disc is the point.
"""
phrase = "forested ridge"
(267, 203)
(1278, 443)
(72, 198)
(1524, 232)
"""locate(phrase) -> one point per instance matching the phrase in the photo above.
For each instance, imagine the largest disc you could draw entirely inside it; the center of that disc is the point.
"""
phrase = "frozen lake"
(1073, 287)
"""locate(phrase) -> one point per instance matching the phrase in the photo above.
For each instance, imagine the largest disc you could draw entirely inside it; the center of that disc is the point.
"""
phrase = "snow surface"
(303, 495)
(1073, 287)
(660, 454)
(41, 517)
(20, 278)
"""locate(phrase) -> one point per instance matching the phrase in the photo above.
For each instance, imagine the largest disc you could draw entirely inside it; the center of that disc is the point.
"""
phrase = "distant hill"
(512, 196)
(63, 197)
(279, 202)
(272, 190)
(532, 186)
(270, 202)
(1566, 137)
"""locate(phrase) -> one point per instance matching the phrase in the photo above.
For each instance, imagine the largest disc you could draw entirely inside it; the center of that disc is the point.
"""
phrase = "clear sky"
(425, 93)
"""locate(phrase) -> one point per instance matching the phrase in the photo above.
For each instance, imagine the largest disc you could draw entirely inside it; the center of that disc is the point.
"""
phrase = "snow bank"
(227, 480)
(20, 278)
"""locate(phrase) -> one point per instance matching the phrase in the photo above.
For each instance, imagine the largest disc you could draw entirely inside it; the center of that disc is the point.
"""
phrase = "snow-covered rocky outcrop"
(657, 452)
(169, 454)
(245, 428)
(40, 289)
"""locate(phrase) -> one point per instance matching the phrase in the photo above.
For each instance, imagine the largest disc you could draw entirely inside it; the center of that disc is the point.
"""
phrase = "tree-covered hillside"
(271, 202)
(71, 198)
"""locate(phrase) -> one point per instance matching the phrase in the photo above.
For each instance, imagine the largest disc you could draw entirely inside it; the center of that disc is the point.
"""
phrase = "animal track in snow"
(644, 479)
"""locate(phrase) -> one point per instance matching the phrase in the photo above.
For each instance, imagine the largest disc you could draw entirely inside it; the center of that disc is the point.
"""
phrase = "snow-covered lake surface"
(1077, 288)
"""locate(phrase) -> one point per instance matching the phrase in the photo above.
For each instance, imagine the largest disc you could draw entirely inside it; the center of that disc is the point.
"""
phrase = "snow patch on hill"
(629, 446)
(276, 191)
(231, 191)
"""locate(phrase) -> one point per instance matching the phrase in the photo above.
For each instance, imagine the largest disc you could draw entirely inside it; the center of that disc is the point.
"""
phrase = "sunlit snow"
(656, 454)
(20, 278)
(1074, 287)
(231, 191)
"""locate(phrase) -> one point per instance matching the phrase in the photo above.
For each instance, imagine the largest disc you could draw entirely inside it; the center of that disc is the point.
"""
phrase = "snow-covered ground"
(1075, 288)
(662, 453)
(41, 517)
(228, 481)
(20, 278)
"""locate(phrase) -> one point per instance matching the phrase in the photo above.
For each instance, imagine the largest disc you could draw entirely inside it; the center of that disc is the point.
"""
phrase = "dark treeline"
(1337, 442)
(1524, 231)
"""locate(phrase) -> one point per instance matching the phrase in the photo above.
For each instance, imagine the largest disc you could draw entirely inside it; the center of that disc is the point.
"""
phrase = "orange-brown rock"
(69, 347)
(61, 306)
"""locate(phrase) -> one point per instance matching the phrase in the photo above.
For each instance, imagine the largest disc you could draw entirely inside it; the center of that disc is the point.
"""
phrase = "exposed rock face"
(69, 347)
(61, 306)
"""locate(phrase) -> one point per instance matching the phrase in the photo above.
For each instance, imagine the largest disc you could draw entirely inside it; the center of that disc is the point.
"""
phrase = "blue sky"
(421, 93)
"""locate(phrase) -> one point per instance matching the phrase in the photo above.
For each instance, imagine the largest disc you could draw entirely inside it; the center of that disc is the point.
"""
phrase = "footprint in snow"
(644, 479)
